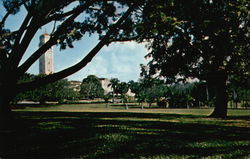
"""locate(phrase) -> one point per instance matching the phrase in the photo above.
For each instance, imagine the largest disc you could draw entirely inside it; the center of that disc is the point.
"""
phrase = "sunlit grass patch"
(53, 125)
(115, 138)
(166, 157)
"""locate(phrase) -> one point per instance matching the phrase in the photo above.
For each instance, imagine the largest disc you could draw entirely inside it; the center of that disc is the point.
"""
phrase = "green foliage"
(179, 96)
(107, 97)
(238, 88)
(114, 85)
(149, 90)
(91, 87)
(122, 88)
(152, 90)
(204, 39)
(246, 105)
(57, 91)
(134, 86)
(82, 102)
(196, 38)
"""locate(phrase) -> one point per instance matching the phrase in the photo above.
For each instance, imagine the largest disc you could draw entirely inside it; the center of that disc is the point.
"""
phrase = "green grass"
(132, 108)
(96, 132)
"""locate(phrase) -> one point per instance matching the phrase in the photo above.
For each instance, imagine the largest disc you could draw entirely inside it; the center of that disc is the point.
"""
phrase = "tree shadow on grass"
(121, 135)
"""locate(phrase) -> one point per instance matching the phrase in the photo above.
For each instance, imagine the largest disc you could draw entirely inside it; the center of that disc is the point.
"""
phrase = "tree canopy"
(204, 39)
(91, 87)
(195, 38)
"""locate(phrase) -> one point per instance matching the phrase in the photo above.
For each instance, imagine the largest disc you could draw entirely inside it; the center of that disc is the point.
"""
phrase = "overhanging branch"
(33, 27)
(52, 41)
(66, 72)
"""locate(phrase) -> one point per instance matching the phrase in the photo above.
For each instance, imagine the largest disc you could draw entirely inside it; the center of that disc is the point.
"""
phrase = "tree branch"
(22, 29)
(10, 11)
(4, 19)
(35, 56)
(34, 26)
(20, 48)
(52, 41)
(66, 72)
(134, 38)
(78, 9)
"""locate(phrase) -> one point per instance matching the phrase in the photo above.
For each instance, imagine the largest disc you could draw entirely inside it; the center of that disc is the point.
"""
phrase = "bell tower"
(46, 65)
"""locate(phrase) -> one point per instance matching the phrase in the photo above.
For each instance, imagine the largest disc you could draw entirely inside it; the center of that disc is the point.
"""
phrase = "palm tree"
(122, 89)
(114, 84)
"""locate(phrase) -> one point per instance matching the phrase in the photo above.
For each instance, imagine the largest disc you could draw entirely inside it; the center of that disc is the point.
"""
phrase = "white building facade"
(105, 85)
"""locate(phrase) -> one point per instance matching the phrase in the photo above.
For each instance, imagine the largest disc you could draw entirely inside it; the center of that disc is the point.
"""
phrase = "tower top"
(45, 34)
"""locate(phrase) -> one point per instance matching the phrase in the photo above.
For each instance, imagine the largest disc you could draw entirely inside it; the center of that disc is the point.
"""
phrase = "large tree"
(204, 39)
(91, 87)
(122, 89)
(72, 19)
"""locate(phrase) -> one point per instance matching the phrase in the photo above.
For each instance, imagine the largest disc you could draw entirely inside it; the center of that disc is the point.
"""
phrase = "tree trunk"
(126, 106)
(219, 82)
(7, 123)
(149, 104)
(5, 111)
(235, 98)
(207, 95)
(236, 104)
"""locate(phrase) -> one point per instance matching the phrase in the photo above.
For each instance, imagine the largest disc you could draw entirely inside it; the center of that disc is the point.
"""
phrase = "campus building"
(46, 65)
(107, 88)
(75, 85)
(105, 85)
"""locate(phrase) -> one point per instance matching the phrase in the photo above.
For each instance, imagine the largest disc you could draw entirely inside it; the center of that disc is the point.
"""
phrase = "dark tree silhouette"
(96, 16)
(204, 39)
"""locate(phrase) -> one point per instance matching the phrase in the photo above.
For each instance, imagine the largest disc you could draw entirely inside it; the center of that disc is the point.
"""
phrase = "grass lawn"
(92, 131)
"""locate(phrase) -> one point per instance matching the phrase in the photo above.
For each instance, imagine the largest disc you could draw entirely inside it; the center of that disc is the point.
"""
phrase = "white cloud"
(118, 60)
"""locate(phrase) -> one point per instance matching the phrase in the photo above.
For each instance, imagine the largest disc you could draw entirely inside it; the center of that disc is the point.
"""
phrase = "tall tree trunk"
(235, 98)
(7, 92)
(207, 95)
(5, 110)
(236, 104)
(7, 123)
(219, 82)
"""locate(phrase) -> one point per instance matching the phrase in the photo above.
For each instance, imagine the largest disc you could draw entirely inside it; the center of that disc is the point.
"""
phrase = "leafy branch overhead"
(84, 17)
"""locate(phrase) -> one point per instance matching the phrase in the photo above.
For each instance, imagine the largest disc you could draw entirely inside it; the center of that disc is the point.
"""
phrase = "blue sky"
(118, 60)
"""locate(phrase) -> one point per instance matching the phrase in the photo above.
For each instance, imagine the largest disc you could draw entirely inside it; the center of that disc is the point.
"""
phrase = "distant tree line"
(186, 95)
(146, 90)
(58, 91)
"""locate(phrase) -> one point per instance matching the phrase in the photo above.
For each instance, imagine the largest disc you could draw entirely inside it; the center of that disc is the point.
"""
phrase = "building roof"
(45, 34)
